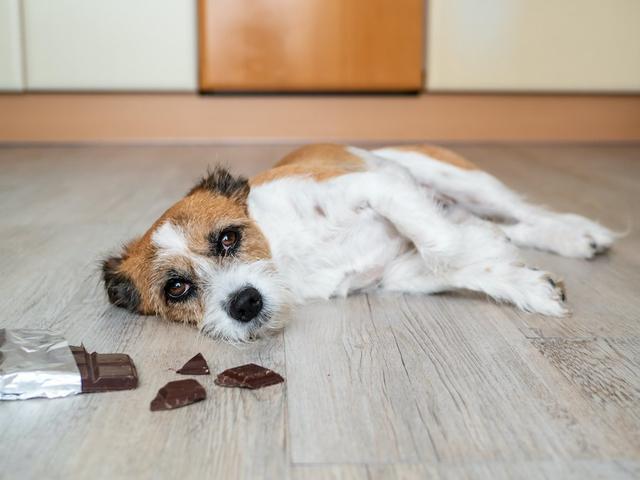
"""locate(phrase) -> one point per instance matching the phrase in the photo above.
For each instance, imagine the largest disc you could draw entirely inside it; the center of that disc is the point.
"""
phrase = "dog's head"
(203, 262)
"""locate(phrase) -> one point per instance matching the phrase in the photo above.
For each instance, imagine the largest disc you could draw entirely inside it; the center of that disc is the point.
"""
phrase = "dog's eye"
(177, 288)
(229, 238)
(227, 241)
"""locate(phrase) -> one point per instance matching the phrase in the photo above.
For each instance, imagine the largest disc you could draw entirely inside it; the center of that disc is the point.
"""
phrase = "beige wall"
(545, 45)
(10, 46)
(491, 45)
(110, 44)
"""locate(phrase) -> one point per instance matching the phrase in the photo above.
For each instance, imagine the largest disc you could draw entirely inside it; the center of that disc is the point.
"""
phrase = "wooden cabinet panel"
(525, 45)
(311, 45)
(10, 46)
(111, 44)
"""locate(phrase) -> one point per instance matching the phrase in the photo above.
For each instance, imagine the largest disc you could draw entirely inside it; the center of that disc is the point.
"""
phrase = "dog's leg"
(469, 255)
(483, 195)
(527, 288)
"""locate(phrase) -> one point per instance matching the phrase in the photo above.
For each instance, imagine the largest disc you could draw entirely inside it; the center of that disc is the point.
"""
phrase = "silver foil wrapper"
(36, 363)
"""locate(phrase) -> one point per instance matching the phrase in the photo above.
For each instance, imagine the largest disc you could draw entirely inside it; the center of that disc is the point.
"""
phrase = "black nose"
(245, 304)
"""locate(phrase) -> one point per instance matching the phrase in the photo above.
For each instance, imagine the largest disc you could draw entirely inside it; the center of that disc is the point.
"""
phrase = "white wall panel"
(546, 45)
(10, 46)
(111, 44)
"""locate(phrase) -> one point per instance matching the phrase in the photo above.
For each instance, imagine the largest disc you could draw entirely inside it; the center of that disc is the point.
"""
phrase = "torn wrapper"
(36, 363)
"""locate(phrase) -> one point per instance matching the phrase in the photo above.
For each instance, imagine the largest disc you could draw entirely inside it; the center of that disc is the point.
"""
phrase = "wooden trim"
(189, 117)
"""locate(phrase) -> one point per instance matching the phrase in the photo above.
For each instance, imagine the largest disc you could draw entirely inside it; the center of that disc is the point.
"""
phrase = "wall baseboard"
(169, 117)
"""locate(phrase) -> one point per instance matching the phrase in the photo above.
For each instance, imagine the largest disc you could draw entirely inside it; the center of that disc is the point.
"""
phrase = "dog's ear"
(120, 288)
(220, 181)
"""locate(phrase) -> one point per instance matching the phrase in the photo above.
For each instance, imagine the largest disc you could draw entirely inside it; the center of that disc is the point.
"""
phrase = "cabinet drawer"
(311, 45)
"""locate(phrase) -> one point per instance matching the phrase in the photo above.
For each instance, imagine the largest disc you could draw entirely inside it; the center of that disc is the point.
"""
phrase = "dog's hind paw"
(566, 234)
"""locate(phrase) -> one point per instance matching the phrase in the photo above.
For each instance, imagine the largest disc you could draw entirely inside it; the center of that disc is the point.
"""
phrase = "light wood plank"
(572, 470)
(424, 379)
(448, 386)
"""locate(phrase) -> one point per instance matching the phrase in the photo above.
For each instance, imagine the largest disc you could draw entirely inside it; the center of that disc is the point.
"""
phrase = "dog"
(234, 255)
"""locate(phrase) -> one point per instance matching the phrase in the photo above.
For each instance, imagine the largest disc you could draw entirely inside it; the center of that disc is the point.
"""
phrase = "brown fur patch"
(438, 153)
(318, 173)
(324, 155)
(320, 162)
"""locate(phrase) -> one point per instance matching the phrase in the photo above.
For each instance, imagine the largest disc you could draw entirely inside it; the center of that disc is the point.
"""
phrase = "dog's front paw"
(542, 292)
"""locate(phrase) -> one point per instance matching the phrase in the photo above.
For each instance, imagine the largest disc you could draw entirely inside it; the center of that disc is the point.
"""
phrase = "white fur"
(169, 239)
(383, 229)
(321, 245)
(483, 195)
(219, 284)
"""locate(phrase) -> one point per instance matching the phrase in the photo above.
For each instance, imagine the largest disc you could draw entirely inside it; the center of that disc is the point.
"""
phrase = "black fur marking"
(220, 181)
(120, 289)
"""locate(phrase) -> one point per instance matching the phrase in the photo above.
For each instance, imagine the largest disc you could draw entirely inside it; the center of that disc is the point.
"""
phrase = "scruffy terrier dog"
(233, 255)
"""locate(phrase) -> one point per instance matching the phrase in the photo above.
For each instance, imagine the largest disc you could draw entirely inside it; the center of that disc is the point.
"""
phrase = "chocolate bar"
(105, 372)
(196, 366)
(178, 394)
(248, 376)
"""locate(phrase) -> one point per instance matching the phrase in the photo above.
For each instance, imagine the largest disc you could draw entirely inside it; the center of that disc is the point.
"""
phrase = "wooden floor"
(447, 386)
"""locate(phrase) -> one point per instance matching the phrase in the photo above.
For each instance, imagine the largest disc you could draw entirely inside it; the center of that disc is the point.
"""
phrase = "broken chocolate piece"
(248, 376)
(196, 366)
(178, 394)
(105, 372)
